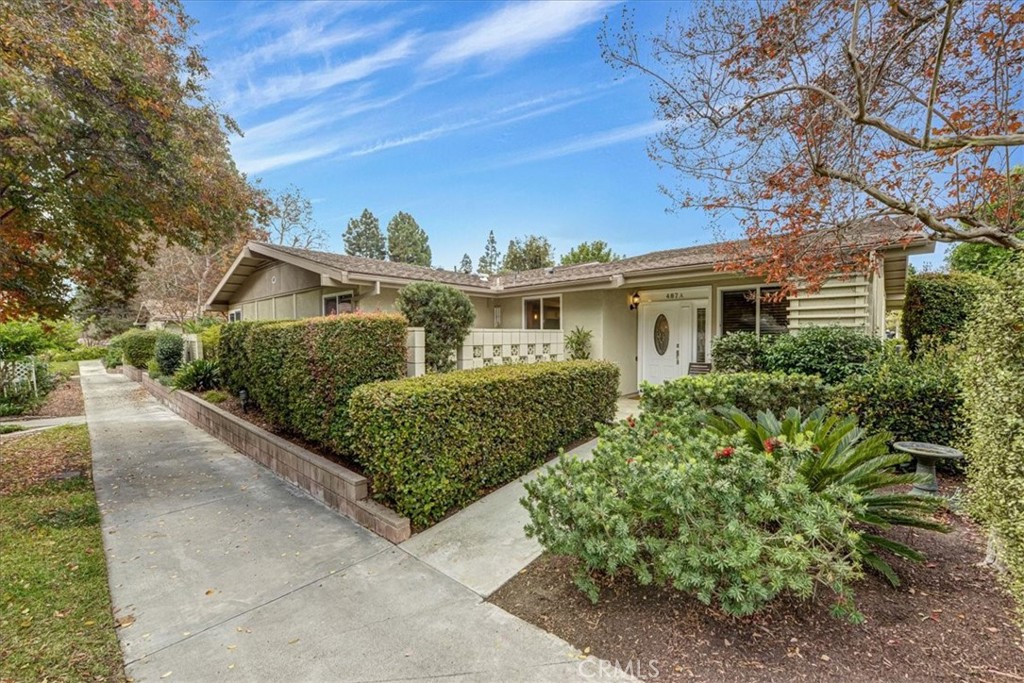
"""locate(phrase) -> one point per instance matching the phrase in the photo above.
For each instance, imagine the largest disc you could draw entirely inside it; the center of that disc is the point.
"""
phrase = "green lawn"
(64, 367)
(55, 616)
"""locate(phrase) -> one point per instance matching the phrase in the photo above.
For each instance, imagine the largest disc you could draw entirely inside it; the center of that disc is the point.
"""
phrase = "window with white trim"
(235, 315)
(338, 303)
(747, 310)
(544, 313)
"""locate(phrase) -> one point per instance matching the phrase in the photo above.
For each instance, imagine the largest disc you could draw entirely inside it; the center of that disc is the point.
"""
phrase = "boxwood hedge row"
(437, 442)
(301, 373)
(751, 392)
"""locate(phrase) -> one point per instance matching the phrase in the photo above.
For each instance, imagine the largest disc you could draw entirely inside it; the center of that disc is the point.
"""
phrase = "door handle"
(677, 354)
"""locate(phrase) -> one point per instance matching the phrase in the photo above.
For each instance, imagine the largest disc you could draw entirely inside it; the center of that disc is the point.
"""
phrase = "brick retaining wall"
(338, 487)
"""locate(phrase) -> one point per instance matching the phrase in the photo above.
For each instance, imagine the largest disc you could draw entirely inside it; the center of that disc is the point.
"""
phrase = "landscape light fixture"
(634, 301)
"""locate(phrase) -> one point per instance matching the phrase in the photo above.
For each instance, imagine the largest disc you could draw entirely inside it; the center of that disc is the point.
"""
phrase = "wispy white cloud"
(587, 143)
(302, 85)
(261, 164)
(502, 116)
(515, 30)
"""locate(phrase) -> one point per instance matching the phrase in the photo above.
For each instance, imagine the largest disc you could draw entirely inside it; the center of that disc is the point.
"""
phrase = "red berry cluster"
(771, 445)
(725, 452)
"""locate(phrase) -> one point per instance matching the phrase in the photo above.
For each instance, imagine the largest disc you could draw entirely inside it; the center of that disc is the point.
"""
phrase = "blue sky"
(471, 116)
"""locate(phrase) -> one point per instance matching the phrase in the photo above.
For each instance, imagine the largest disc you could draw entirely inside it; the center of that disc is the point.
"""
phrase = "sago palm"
(835, 451)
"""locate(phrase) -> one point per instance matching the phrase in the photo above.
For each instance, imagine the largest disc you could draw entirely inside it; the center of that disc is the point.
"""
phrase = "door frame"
(691, 333)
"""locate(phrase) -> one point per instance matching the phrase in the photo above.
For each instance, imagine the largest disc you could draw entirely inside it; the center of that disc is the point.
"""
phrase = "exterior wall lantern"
(634, 301)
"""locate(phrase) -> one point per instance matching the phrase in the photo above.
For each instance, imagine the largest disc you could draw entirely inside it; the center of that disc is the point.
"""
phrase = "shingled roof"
(377, 268)
(883, 233)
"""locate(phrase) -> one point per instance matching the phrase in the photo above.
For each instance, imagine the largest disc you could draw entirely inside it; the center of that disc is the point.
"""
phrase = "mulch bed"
(64, 401)
(948, 621)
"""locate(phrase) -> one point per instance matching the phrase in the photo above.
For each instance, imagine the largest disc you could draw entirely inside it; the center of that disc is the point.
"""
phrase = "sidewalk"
(483, 545)
(230, 574)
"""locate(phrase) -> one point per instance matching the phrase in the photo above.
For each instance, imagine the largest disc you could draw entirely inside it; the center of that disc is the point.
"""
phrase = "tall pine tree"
(364, 238)
(466, 265)
(491, 259)
(407, 242)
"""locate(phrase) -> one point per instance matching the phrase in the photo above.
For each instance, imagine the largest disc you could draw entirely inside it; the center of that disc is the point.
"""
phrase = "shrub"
(32, 336)
(938, 304)
(913, 400)
(79, 353)
(433, 443)
(446, 315)
(153, 368)
(748, 391)
(832, 454)
(739, 352)
(215, 396)
(577, 343)
(832, 353)
(728, 526)
(992, 375)
(301, 373)
(198, 375)
(167, 352)
(209, 337)
(138, 346)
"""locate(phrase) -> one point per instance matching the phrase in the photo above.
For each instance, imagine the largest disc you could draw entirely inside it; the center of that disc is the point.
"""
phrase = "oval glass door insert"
(661, 334)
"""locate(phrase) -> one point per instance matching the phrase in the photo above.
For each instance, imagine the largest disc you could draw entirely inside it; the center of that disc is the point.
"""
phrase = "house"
(653, 315)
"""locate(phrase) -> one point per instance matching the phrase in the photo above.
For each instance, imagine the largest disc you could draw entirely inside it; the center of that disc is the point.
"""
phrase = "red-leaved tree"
(798, 119)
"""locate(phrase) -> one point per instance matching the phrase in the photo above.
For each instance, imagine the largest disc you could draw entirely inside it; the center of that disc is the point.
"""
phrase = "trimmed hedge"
(301, 373)
(138, 346)
(913, 400)
(938, 305)
(79, 353)
(992, 373)
(831, 352)
(751, 392)
(739, 352)
(435, 443)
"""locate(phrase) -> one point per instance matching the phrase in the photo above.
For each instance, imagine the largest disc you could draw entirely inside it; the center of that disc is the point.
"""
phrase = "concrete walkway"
(223, 572)
(483, 545)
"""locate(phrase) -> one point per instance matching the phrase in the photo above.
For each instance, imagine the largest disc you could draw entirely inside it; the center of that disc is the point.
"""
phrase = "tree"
(797, 119)
(466, 265)
(529, 253)
(446, 315)
(491, 259)
(364, 238)
(597, 251)
(407, 242)
(290, 221)
(108, 145)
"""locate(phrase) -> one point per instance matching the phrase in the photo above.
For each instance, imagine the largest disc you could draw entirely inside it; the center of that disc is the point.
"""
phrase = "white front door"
(666, 340)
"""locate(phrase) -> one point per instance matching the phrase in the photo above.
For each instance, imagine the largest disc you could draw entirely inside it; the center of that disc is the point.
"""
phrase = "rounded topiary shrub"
(938, 305)
(139, 347)
(444, 313)
(167, 352)
(832, 353)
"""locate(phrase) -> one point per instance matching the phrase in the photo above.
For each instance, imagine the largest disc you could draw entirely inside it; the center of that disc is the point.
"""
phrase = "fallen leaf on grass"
(125, 622)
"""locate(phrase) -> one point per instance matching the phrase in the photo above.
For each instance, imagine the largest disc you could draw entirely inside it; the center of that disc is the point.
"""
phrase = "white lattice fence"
(18, 376)
(483, 347)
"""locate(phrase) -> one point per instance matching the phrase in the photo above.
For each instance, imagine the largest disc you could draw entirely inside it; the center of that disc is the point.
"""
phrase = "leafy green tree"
(528, 253)
(407, 242)
(364, 238)
(466, 265)
(108, 143)
(981, 259)
(597, 251)
(491, 260)
(446, 315)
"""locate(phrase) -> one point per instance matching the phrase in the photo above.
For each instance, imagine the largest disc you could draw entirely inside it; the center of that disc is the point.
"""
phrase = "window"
(235, 315)
(702, 335)
(747, 311)
(542, 314)
(338, 303)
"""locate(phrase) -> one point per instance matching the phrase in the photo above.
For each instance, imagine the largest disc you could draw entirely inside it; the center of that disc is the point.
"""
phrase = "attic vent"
(273, 279)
